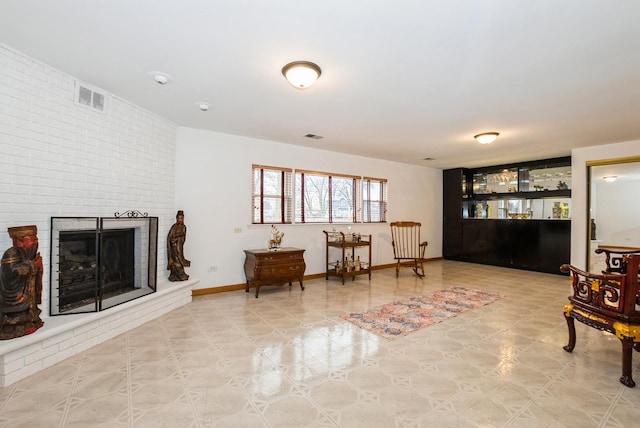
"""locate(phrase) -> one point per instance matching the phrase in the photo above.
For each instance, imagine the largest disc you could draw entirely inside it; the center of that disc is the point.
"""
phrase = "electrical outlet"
(237, 230)
(213, 269)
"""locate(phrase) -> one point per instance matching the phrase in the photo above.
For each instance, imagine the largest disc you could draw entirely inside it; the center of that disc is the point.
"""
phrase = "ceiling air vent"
(314, 136)
(89, 97)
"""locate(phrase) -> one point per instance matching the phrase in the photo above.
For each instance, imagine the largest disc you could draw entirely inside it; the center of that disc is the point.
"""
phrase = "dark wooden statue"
(176, 261)
(21, 284)
(609, 302)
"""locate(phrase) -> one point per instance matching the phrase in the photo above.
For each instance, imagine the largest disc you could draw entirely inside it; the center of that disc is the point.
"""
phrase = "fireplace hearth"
(97, 263)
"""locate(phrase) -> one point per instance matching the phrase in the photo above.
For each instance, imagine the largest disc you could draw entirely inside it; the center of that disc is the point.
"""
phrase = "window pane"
(374, 201)
(316, 200)
(272, 210)
(342, 199)
(272, 183)
(375, 191)
(271, 196)
(373, 212)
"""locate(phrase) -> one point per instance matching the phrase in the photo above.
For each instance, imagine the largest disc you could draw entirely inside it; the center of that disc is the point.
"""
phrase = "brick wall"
(58, 158)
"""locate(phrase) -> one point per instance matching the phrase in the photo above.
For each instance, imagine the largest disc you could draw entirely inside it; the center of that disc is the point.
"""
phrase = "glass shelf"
(528, 190)
(504, 181)
(545, 179)
(512, 180)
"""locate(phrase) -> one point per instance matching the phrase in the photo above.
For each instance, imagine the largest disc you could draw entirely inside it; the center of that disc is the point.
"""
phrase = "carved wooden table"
(264, 267)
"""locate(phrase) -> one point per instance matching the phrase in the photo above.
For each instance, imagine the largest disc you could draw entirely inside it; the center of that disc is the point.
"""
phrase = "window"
(374, 200)
(271, 194)
(326, 198)
(282, 195)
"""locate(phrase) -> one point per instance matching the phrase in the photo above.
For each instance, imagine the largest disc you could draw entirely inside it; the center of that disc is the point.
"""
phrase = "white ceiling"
(401, 80)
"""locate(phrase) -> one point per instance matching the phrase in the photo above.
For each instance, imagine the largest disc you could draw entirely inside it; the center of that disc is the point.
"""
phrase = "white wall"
(61, 159)
(213, 187)
(579, 158)
(617, 221)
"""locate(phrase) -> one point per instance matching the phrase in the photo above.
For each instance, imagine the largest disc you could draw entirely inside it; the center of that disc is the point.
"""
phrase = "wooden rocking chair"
(408, 250)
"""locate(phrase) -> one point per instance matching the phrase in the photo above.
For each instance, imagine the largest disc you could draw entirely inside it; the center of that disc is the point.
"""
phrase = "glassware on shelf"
(554, 178)
(504, 181)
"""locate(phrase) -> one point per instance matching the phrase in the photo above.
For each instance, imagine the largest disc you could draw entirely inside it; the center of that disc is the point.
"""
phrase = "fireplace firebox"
(97, 262)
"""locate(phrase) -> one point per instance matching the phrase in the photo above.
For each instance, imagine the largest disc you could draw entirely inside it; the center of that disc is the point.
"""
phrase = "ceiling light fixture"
(204, 106)
(486, 137)
(163, 80)
(301, 74)
(160, 77)
(314, 136)
(610, 178)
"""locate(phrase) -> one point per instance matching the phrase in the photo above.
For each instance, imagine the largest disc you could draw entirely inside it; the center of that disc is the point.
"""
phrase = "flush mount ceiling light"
(486, 137)
(301, 74)
(610, 178)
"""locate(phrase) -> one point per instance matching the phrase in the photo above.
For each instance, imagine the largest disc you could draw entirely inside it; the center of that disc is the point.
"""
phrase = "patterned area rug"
(402, 317)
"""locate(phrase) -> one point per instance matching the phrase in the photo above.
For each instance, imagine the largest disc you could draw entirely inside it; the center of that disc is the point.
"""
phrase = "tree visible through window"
(271, 195)
(281, 195)
(325, 198)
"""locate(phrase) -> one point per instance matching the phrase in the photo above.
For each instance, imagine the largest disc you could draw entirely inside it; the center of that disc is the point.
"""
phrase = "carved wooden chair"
(616, 259)
(608, 302)
(408, 249)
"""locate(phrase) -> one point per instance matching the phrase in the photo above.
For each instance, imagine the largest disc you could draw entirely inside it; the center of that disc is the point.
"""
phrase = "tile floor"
(286, 359)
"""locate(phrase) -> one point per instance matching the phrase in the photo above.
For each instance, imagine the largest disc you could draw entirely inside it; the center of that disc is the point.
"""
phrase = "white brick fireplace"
(63, 159)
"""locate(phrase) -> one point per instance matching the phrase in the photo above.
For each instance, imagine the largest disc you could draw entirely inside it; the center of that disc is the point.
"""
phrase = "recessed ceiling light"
(160, 77)
(203, 106)
(610, 178)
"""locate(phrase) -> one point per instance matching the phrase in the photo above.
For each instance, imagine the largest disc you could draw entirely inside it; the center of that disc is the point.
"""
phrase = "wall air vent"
(89, 97)
(314, 136)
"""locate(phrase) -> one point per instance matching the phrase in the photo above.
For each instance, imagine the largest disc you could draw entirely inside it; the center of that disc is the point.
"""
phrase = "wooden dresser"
(264, 267)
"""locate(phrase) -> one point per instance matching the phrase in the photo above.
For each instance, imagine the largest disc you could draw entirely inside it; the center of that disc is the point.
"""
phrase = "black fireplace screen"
(97, 263)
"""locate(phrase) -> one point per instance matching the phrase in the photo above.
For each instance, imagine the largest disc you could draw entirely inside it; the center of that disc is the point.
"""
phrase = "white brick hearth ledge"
(63, 336)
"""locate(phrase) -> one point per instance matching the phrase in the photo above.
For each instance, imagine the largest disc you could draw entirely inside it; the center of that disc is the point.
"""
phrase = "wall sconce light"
(301, 74)
(486, 137)
(610, 178)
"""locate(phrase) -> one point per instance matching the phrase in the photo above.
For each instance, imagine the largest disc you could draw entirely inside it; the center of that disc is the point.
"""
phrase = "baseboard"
(213, 290)
(235, 287)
